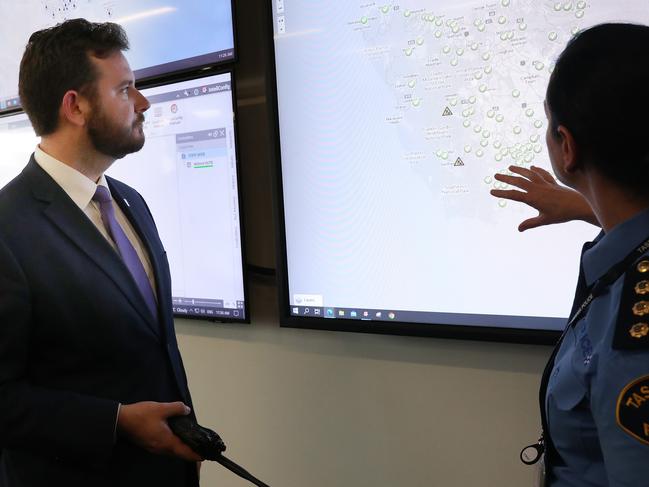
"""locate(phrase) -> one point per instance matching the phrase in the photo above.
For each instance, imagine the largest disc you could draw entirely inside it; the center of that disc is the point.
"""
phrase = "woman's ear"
(568, 150)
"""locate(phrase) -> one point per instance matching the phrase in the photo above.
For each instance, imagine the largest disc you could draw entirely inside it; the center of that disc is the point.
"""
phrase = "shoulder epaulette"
(632, 327)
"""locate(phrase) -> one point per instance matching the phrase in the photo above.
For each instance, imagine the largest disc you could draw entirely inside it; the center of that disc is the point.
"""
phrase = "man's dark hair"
(57, 60)
(599, 90)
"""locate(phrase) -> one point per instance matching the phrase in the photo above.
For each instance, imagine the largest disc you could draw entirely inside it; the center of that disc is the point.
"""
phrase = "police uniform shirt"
(597, 400)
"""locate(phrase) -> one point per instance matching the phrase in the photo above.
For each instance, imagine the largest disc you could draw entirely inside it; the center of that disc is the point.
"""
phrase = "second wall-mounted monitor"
(165, 36)
(187, 173)
(393, 118)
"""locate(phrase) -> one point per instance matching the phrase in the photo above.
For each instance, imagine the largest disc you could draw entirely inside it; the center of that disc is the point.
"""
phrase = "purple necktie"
(126, 250)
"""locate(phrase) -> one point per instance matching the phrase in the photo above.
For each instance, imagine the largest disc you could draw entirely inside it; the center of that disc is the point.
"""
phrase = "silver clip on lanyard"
(531, 454)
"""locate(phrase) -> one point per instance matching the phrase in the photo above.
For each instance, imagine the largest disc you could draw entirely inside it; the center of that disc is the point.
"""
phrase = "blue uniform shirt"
(597, 399)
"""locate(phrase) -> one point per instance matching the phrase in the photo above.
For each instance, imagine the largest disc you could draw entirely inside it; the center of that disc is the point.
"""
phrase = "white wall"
(305, 408)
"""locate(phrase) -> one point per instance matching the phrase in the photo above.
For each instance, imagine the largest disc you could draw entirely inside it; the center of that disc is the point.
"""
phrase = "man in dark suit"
(89, 364)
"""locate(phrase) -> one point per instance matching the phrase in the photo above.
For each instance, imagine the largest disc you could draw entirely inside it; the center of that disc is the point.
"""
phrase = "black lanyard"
(532, 454)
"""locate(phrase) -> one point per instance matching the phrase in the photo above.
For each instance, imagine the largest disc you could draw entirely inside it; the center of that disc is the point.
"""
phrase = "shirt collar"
(77, 186)
(612, 247)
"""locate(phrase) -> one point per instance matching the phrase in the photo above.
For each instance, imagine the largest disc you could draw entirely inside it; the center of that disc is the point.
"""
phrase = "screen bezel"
(466, 332)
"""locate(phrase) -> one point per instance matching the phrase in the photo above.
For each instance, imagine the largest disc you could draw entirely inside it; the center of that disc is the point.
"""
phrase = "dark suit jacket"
(76, 339)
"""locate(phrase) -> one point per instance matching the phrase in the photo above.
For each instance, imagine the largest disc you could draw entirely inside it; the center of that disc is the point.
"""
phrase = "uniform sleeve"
(59, 424)
(620, 407)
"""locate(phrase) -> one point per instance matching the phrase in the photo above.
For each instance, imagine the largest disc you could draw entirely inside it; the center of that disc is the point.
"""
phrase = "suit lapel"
(142, 222)
(72, 222)
(148, 236)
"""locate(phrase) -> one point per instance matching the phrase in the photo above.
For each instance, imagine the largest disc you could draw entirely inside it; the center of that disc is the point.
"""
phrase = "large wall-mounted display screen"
(392, 119)
(165, 36)
(187, 173)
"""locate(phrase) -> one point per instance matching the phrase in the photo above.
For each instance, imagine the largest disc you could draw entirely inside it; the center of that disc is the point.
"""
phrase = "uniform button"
(639, 330)
(643, 266)
(642, 287)
(641, 308)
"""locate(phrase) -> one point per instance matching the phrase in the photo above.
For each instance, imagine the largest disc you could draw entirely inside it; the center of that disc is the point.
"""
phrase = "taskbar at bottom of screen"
(432, 318)
(343, 313)
(208, 308)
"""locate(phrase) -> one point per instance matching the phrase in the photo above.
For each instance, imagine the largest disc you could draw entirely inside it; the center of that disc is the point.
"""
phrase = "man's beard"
(113, 140)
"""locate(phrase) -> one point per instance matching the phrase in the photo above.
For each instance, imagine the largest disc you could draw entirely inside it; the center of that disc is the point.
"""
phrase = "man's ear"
(569, 151)
(75, 108)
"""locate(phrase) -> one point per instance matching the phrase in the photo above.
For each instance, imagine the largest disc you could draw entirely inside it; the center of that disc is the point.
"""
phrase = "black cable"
(239, 470)
(208, 444)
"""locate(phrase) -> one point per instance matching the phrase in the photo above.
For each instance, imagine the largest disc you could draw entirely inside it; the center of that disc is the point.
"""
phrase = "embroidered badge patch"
(633, 409)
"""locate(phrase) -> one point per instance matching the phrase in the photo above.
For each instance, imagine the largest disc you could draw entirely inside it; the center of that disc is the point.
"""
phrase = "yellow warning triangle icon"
(447, 112)
(459, 162)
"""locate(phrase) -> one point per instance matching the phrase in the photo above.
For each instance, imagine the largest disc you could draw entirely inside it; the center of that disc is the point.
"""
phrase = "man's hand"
(555, 203)
(145, 424)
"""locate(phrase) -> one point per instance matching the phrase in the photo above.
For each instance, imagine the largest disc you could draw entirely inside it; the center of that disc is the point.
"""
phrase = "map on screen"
(165, 35)
(393, 118)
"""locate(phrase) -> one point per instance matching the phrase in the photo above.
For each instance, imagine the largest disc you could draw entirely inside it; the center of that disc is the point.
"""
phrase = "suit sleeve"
(60, 424)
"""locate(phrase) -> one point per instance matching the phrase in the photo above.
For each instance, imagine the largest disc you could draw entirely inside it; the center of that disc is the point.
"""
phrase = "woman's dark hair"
(599, 90)
(57, 60)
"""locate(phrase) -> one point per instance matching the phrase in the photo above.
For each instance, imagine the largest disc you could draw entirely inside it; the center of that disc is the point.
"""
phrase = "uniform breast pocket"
(565, 388)
(569, 417)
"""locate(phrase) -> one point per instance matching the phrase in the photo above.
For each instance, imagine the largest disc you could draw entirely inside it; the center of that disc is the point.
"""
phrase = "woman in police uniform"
(595, 390)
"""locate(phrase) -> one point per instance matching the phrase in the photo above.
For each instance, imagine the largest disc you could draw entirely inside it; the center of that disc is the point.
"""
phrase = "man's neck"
(77, 154)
